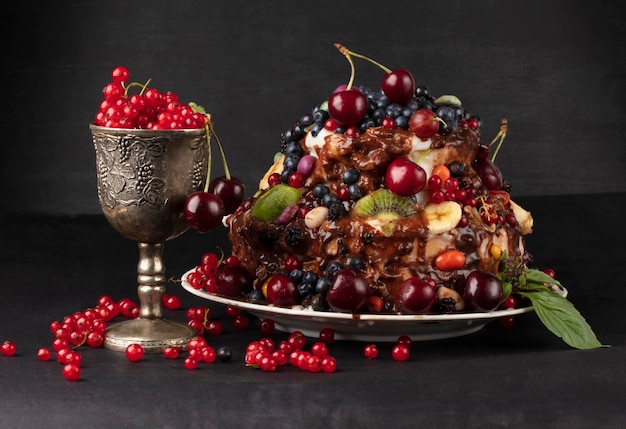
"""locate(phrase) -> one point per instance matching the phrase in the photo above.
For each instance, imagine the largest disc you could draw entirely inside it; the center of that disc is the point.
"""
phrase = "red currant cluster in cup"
(148, 109)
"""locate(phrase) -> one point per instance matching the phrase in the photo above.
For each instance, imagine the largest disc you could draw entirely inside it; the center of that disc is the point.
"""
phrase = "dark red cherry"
(399, 86)
(204, 211)
(348, 292)
(282, 290)
(416, 296)
(231, 192)
(404, 177)
(347, 107)
(489, 174)
(483, 291)
(233, 281)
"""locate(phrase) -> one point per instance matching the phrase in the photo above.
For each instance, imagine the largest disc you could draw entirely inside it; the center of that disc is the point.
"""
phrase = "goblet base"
(154, 335)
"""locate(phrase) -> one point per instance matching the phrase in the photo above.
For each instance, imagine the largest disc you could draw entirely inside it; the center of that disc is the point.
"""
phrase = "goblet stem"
(150, 329)
(151, 280)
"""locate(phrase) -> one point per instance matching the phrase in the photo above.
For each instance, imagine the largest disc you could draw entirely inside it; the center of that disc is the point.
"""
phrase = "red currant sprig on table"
(148, 109)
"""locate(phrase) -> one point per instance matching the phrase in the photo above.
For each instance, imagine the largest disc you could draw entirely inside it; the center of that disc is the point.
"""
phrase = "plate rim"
(299, 312)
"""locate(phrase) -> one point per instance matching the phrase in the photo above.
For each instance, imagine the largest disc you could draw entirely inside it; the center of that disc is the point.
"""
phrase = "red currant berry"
(95, 339)
(437, 197)
(196, 343)
(171, 352)
(173, 302)
(550, 272)
(274, 179)
(208, 354)
(327, 335)
(59, 344)
(71, 372)
(506, 322)
(319, 349)
(509, 302)
(267, 326)
(233, 311)
(241, 322)
(370, 351)
(120, 74)
(388, 123)
(232, 261)
(214, 328)
(400, 352)
(43, 354)
(405, 339)
(191, 363)
(8, 348)
(329, 364)
(292, 263)
(134, 352)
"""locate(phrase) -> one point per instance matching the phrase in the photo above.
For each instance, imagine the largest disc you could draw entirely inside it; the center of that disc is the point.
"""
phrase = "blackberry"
(446, 305)
(293, 236)
(336, 210)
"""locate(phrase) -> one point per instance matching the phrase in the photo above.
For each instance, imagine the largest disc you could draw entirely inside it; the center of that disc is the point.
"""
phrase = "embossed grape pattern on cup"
(144, 178)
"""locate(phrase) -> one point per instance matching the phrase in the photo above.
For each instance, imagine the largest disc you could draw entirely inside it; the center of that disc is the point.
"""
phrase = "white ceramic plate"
(364, 327)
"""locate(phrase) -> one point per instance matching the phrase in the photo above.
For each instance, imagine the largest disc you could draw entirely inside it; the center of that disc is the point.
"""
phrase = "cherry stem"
(208, 140)
(221, 149)
(348, 52)
(500, 136)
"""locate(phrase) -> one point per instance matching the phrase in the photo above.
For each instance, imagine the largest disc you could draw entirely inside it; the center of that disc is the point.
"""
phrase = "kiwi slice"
(272, 203)
(384, 205)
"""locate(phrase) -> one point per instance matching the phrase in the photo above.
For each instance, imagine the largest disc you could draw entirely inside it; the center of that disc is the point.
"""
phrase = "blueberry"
(291, 162)
(256, 296)
(412, 104)
(351, 175)
(320, 190)
(402, 122)
(287, 136)
(365, 89)
(354, 192)
(294, 148)
(340, 130)
(320, 116)
(282, 271)
(457, 168)
(332, 269)
(446, 113)
(356, 264)
(316, 128)
(224, 354)
(298, 133)
(328, 199)
(426, 104)
(309, 277)
(305, 289)
(408, 112)
(393, 110)
(322, 285)
(296, 275)
(284, 176)
(306, 120)
(378, 115)
(422, 91)
(367, 123)
(382, 102)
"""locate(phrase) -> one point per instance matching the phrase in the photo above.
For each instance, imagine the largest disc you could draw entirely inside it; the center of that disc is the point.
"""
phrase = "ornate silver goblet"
(144, 178)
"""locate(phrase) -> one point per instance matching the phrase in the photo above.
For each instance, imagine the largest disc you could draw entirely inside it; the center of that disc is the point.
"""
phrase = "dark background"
(555, 69)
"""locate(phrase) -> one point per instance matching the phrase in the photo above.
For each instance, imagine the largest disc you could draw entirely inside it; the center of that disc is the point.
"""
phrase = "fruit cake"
(382, 201)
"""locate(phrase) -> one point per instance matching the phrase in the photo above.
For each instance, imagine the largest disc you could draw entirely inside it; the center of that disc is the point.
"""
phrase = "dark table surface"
(517, 378)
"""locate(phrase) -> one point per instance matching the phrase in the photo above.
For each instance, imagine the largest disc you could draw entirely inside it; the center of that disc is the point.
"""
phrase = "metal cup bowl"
(144, 178)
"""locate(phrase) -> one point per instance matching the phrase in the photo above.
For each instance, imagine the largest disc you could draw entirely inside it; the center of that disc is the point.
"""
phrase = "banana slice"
(276, 168)
(442, 217)
(523, 217)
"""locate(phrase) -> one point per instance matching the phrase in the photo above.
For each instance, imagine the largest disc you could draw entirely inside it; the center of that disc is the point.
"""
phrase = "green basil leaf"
(536, 276)
(562, 319)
